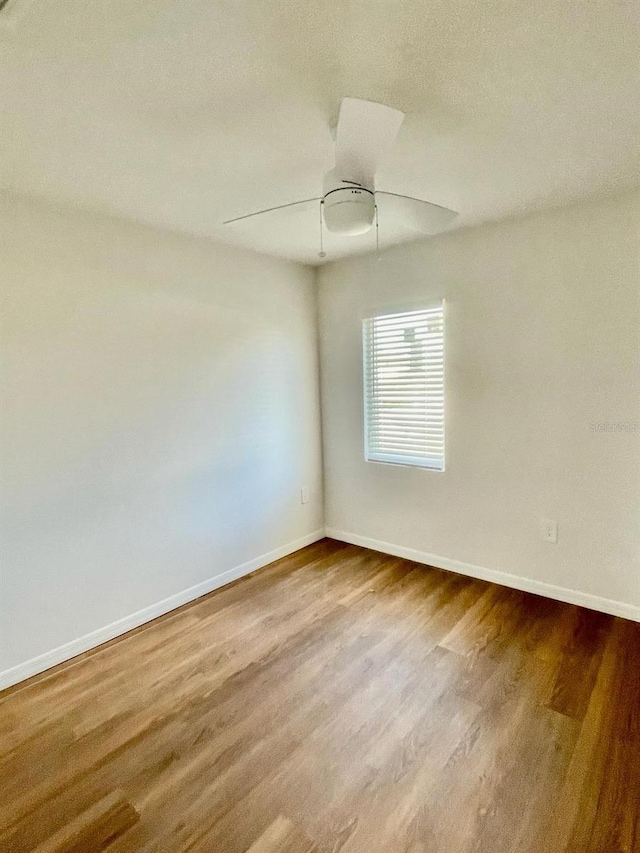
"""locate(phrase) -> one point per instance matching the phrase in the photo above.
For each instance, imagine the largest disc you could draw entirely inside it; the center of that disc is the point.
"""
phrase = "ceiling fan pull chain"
(321, 253)
(377, 235)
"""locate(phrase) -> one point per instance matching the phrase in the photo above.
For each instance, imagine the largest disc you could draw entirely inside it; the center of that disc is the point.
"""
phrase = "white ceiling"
(183, 113)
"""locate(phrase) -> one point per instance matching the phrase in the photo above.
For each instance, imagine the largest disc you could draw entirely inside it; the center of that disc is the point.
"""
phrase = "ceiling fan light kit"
(348, 208)
(349, 205)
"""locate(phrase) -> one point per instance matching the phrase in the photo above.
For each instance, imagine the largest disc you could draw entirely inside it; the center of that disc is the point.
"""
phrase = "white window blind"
(404, 388)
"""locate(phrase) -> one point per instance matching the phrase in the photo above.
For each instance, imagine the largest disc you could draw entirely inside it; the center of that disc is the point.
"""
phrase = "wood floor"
(337, 700)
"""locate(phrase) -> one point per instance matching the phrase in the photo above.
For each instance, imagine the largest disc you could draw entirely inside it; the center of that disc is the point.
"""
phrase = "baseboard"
(89, 641)
(560, 593)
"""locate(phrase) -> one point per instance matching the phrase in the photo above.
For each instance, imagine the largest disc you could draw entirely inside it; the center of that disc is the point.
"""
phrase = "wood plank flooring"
(337, 700)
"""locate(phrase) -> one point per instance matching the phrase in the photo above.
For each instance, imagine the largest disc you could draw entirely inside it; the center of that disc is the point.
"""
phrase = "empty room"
(319, 426)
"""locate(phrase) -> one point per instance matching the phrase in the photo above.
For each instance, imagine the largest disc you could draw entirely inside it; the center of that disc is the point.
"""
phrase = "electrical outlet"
(304, 495)
(549, 530)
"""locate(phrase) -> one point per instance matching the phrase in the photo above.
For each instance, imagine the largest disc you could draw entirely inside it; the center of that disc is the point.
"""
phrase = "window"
(404, 388)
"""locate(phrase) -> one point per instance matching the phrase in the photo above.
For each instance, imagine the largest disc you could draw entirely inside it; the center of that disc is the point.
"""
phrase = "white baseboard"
(560, 593)
(89, 641)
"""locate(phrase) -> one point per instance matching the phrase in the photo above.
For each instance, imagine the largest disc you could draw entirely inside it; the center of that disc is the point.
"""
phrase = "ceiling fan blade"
(364, 137)
(413, 212)
(269, 210)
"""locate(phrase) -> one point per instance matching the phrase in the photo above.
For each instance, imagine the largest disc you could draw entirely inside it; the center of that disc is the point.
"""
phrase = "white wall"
(542, 340)
(159, 417)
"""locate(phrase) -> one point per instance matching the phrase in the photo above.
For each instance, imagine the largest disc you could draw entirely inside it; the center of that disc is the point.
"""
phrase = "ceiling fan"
(364, 136)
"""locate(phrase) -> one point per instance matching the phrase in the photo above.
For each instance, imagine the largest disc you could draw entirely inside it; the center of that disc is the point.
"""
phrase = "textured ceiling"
(183, 113)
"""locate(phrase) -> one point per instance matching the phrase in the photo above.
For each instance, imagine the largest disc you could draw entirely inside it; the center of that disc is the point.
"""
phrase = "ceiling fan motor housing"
(348, 207)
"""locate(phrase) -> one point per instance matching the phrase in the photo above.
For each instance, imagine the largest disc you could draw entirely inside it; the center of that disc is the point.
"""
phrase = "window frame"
(424, 463)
